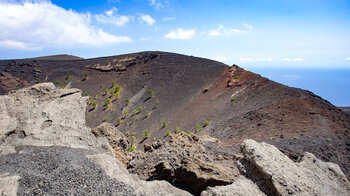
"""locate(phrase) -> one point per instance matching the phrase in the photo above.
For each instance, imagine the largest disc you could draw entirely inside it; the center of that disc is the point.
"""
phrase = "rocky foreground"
(46, 148)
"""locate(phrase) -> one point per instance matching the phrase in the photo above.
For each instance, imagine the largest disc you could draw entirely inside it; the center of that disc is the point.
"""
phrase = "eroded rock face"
(188, 161)
(46, 148)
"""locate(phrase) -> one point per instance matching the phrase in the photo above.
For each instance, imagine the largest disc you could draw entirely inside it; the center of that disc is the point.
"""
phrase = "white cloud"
(169, 19)
(157, 4)
(248, 59)
(110, 17)
(347, 58)
(147, 19)
(293, 59)
(11, 44)
(39, 24)
(222, 30)
(181, 34)
(219, 58)
(248, 26)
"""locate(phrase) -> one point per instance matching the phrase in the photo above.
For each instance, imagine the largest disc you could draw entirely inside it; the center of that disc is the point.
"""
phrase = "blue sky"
(276, 38)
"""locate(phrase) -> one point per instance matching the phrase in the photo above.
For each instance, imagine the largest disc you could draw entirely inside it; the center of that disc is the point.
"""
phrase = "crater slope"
(166, 92)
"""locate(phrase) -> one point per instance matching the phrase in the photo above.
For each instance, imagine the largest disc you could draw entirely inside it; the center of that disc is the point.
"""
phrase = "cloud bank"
(35, 25)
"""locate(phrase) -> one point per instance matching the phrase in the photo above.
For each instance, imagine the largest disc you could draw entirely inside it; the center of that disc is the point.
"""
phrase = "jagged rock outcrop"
(46, 148)
(275, 174)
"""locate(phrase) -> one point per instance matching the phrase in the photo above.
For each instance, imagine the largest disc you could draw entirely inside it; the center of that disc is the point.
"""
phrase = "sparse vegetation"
(164, 124)
(127, 101)
(127, 133)
(133, 138)
(108, 101)
(178, 130)
(148, 114)
(106, 91)
(147, 134)
(140, 108)
(157, 101)
(86, 94)
(151, 93)
(107, 62)
(168, 132)
(232, 99)
(85, 76)
(106, 118)
(329, 140)
(206, 123)
(68, 76)
(96, 96)
(58, 82)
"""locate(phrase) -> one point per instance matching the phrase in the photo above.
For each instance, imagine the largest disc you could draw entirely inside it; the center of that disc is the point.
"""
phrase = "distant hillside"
(161, 92)
(62, 57)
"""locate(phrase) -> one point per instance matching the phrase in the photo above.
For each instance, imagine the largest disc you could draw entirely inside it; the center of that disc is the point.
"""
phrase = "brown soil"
(188, 91)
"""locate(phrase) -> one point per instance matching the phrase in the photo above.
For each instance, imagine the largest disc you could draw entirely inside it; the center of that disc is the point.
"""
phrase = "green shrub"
(157, 101)
(136, 111)
(127, 101)
(199, 128)
(133, 138)
(206, 123)
(164, 124)
(58, 82)
(117, 88)
(86, 76)
(68, 76)
(168, 132)
(232, 99)
(148, 113)
(140, 108)
(107, 62)
(329, 140)
(131, 148)
(86, 94)
(147, 134)
(106, 118)
(151, 93)
(113, 84)
(126, 112)
(127, 133)
(94, 104)
(119, 121)
(108, 101)
(96, 96)
(38, 80)
(106, 91)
